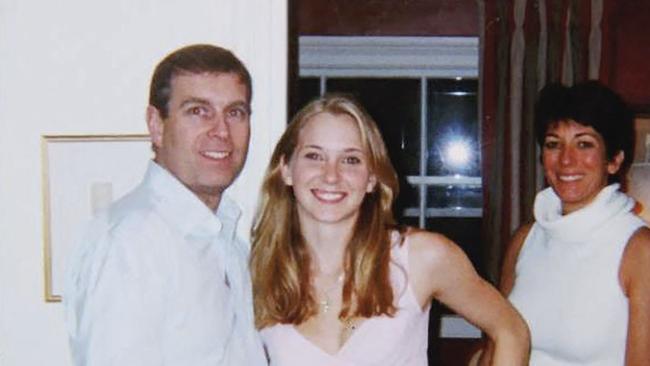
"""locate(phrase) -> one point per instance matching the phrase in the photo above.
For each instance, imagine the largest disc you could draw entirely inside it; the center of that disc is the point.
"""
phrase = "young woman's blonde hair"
(280, 260)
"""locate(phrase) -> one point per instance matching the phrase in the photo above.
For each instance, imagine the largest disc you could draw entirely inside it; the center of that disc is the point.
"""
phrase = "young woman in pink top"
(335, 280)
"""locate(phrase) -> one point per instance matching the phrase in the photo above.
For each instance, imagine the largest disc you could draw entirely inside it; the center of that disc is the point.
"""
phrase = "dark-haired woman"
(580, 274)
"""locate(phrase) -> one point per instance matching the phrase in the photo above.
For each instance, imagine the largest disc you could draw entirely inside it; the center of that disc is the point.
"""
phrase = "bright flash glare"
(457, 153)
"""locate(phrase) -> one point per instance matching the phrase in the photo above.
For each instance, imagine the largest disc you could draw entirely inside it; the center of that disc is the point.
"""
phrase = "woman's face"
(329, 170)
(575, 163)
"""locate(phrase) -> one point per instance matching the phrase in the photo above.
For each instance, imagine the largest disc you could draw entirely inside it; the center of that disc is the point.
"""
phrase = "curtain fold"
(524, 45)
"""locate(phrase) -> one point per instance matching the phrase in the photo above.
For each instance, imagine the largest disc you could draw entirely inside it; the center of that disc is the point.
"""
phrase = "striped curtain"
(524, 45)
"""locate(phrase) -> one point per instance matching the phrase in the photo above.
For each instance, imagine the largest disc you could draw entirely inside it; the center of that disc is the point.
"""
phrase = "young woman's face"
(329, 170)
(575, 163)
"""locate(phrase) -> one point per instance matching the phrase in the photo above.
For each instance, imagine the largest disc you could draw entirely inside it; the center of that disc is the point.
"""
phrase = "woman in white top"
(335, 281)
(580, 274)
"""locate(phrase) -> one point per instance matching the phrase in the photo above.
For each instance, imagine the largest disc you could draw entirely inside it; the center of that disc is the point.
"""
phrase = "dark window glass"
(451, 116)
(452, 128)
(395, 106)
(465, 231)
(409, 221)
(453, 149)
(409, 198)
(454, 196)
(308, 89)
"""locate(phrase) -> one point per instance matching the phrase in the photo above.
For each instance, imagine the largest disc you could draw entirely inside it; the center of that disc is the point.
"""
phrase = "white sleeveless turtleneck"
(567, 280)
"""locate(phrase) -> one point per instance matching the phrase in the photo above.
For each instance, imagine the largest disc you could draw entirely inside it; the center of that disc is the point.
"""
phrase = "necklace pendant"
(326, 306)
(349, 324)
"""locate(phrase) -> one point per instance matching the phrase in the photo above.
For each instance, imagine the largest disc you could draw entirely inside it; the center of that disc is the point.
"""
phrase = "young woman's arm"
(635, 279)
(507, 279)
(439, 269)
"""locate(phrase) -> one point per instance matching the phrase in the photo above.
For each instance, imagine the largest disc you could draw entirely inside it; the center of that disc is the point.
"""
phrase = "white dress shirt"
(159, 279)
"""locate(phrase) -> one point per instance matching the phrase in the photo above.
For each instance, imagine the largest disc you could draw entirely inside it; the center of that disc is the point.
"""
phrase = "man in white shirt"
(161, 278)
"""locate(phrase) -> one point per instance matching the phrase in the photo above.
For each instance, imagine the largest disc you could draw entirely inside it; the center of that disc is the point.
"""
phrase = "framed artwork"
(81, 175)
(642, 148)
(639, 175)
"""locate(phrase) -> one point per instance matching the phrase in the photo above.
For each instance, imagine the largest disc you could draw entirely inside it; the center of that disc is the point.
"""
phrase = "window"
(422, 92)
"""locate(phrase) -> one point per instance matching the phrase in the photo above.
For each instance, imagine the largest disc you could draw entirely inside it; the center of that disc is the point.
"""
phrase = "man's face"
(204, 139)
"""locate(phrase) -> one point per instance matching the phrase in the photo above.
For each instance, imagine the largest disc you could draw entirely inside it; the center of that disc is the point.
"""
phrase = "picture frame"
(82, 174)
(642, 140)
(639, 175)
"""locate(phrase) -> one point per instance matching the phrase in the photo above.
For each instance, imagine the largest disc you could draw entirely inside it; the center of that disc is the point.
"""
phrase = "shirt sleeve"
(114, 301)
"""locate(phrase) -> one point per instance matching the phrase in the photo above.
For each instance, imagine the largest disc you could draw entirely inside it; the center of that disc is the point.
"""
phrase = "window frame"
(420, 58)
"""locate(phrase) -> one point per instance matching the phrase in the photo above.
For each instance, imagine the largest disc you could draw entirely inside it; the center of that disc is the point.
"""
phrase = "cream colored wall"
(83, 67)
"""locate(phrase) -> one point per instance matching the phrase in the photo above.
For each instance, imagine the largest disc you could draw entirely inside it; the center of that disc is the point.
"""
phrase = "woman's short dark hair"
(591, 104)
(194, 59)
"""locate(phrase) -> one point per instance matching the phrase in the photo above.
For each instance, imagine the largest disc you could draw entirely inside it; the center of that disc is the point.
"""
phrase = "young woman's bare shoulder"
(430, 248)
(434, 263)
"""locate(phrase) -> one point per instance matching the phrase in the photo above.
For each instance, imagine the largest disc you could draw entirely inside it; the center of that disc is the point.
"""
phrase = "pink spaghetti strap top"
(400, 340)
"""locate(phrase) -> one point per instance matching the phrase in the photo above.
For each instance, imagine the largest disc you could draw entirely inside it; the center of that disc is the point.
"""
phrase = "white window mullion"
(322, 87)
(424, 151)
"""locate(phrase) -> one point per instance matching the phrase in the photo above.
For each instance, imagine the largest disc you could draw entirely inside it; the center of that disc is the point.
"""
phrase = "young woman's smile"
(329, 170)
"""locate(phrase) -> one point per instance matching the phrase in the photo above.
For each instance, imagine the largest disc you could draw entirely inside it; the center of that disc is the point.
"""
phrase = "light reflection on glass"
(457, 153)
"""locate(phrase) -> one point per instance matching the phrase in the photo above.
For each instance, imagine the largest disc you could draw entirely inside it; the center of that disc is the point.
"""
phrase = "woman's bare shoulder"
(636, 257)
(435, 264)
(641, 239)
(520, 235)
(507, 280)
(430, 248)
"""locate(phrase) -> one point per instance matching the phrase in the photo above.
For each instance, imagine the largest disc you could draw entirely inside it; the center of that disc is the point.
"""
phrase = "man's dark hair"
(194, 59)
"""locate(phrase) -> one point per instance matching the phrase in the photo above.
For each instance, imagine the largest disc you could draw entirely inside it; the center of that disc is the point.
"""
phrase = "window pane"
(455, 197)
(452, 129)
(466, 232)
(408, 201)
(308, 89)
(409, 221)
(395, 106)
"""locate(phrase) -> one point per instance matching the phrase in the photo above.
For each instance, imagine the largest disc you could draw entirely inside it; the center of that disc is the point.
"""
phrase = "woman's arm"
(439, 269)
(507, 279)
(635, 279)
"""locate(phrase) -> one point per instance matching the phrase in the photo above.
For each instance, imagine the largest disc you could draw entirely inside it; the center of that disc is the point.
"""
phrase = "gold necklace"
(349, 324)
(326, 302)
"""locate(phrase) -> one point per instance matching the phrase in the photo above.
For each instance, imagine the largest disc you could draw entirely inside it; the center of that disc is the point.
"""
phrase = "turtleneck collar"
(578, 225)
